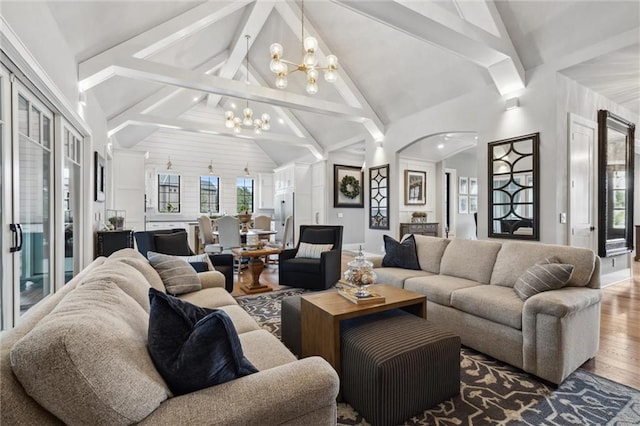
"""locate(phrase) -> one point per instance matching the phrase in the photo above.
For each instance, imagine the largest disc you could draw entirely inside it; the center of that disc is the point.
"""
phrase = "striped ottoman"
(396, 365)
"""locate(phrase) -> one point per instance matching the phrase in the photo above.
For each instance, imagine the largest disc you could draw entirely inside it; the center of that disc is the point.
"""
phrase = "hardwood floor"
(618, 358)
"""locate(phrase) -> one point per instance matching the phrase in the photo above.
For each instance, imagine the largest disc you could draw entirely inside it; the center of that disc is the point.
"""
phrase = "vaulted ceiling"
(147, 63)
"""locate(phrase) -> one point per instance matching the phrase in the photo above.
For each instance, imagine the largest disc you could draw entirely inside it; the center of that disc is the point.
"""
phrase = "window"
(245, 195)
(168, 193)
(209, 194)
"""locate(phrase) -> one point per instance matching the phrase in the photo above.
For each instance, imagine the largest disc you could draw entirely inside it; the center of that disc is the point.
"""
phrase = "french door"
(28, 199)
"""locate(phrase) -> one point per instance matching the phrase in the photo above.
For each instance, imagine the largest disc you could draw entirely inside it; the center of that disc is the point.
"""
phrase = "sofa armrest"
(287, 254)
(563, 302)
(212, 279)
(224, 264)
(274, 396)
(376, 260)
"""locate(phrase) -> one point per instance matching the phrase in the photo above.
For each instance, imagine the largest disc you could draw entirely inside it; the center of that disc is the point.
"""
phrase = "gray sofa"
(469, 289)
(88, 362)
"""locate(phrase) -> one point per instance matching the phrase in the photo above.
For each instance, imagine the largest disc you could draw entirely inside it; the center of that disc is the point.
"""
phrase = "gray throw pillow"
(542, 277)
(177, 275)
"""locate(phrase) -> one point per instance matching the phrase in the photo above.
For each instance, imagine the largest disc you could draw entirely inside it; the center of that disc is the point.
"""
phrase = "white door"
(582, 182)
(129, 187)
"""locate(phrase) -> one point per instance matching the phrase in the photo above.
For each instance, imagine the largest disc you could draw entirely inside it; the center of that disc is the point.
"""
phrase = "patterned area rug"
(494, 393)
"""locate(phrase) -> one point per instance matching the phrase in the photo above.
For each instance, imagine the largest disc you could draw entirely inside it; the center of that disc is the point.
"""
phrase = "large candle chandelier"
(247, 121)
(309, 63)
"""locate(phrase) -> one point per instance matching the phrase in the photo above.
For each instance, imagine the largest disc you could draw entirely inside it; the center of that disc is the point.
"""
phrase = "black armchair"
(314, 274)
(175, 242)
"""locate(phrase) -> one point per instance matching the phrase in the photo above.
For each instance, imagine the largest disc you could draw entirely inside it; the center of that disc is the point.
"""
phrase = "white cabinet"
(129, 186)
(265, 190)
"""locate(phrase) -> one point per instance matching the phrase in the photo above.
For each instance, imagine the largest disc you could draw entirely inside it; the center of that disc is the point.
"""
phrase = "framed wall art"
(473, 186)
(463, 185)
(99, 177)
(348, 186)
(379, 197)
(415, 184)
(463, 204)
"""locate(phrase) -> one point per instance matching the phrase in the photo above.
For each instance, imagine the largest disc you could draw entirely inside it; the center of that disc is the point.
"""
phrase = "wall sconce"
(210, 167)
(246, 170)
(379, 144)
(512, 103)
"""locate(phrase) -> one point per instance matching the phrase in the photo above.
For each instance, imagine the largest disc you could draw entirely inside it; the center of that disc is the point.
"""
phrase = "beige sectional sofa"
(83, 359)
(469, 289)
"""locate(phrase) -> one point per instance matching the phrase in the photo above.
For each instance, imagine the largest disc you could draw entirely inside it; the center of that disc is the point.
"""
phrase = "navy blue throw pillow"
(199, 266)
(193, 347)
(400, 255)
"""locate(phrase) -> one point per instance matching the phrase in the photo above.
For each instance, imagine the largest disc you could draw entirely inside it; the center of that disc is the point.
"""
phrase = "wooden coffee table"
(256, 266)
(321, 313)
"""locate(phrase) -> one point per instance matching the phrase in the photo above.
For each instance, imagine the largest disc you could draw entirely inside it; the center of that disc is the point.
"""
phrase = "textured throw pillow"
(177, 275)
(543, 276)
(312, 251)
(400, 255)
(176, 243)
(193, 347)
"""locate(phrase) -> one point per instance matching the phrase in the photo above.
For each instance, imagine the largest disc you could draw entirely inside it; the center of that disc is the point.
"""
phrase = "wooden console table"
(430, 229)
(108, 242)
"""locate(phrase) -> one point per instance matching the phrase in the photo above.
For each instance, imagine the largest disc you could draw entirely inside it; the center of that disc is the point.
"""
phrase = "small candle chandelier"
(309, 64)
(247, 121)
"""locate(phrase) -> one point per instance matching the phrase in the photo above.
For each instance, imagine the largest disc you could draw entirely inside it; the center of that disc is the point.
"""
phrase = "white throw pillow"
(312, 251)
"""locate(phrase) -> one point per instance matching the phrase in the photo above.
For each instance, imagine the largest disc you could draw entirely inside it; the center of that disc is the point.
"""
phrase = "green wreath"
(350, 187)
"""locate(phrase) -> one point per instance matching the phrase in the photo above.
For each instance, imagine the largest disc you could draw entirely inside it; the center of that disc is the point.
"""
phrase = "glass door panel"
(34, 181)
(71, 192)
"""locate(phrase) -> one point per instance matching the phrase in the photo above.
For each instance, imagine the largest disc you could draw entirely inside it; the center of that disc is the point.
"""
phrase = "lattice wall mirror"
(513, 188)
(615, 184)
(379, 197)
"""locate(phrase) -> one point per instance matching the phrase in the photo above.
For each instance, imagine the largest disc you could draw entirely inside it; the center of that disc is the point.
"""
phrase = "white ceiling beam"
(344, 85)
(253, 25)
(346, 143)
(166, 74)
(457, 36)
(219, 130)
(180, 98)
(98, 68)
(290, 119)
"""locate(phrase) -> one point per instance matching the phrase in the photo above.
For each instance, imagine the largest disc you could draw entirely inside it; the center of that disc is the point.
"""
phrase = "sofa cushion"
(211, 298)
(177, 275)
(127, 277)
(542, 277)
(397, 276)
(470, 259)
(438, 288)
(134, 258)
(264, 350)
(430, 251)
(192, 347)
(492, 302)
(87, 361)
(516, 257)
(301, 264)
(312, 251)
(176, 243)
(400, 255)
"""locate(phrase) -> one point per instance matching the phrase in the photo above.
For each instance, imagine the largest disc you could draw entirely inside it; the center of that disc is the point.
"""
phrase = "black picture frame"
(99, 177)
(415, 188)
(348, 186)
(379, 184)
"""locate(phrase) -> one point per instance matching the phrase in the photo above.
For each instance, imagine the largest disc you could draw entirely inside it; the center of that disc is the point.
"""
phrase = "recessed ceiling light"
(440, 145)
(233, 105)
(281, 120)
(196, 98)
